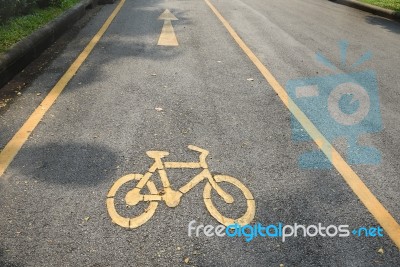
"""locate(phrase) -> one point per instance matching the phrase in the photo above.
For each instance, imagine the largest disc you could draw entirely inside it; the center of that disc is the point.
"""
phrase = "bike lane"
(131, 96)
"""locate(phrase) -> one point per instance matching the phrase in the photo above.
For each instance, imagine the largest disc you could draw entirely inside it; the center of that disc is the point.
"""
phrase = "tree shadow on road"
(67, 163)
(5, 263)
(384, 23)
(132, 43)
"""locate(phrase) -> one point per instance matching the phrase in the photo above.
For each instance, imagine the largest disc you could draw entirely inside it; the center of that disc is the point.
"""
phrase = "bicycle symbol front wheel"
(251, 206)
(136, 221)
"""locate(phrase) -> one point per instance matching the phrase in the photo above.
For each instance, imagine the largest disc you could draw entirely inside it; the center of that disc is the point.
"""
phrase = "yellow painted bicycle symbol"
(172, 197)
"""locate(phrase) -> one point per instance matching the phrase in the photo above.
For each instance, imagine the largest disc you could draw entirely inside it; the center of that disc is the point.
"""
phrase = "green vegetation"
(390, 4)
(31, 16)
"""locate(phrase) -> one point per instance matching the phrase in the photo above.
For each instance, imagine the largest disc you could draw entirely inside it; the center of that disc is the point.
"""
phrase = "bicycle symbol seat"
(172, 197)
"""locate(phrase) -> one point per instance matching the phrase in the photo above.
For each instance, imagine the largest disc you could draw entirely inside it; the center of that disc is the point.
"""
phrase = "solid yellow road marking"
(167, 36)
(384, 218)
(14, 145)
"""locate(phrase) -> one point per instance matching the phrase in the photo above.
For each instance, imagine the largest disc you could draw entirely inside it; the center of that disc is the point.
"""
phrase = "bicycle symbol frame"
(172, 197)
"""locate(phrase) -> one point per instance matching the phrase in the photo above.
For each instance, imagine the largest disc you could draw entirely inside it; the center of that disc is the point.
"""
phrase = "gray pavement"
(131, 96)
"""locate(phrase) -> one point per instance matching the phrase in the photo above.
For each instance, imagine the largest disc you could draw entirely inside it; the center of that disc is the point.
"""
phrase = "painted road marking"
(172, 197)
(384, 218)
(167, 36)
(15, 144)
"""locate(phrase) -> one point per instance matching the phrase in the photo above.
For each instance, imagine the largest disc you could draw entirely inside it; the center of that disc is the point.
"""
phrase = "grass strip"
(389, 4)
(18, 28)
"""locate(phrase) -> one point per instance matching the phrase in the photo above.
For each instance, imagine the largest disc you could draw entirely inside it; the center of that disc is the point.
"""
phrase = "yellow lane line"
(14, 145)
(384, 218)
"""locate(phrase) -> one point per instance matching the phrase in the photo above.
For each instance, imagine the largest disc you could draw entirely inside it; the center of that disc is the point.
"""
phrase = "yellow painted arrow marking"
(167, 15)
(167, 36)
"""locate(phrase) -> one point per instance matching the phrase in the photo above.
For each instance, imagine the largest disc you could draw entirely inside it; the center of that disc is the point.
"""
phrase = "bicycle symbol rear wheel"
(251, 207)
(136, 221)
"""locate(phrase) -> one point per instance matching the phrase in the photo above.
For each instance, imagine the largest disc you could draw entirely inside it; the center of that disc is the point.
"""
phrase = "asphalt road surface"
(132, 95)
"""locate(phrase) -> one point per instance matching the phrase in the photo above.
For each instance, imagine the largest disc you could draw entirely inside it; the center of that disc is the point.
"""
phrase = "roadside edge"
(25, 51)
(380, 11)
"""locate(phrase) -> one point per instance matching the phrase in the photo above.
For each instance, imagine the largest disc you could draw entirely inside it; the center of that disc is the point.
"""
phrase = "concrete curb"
(383, 12)
(29, 48)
